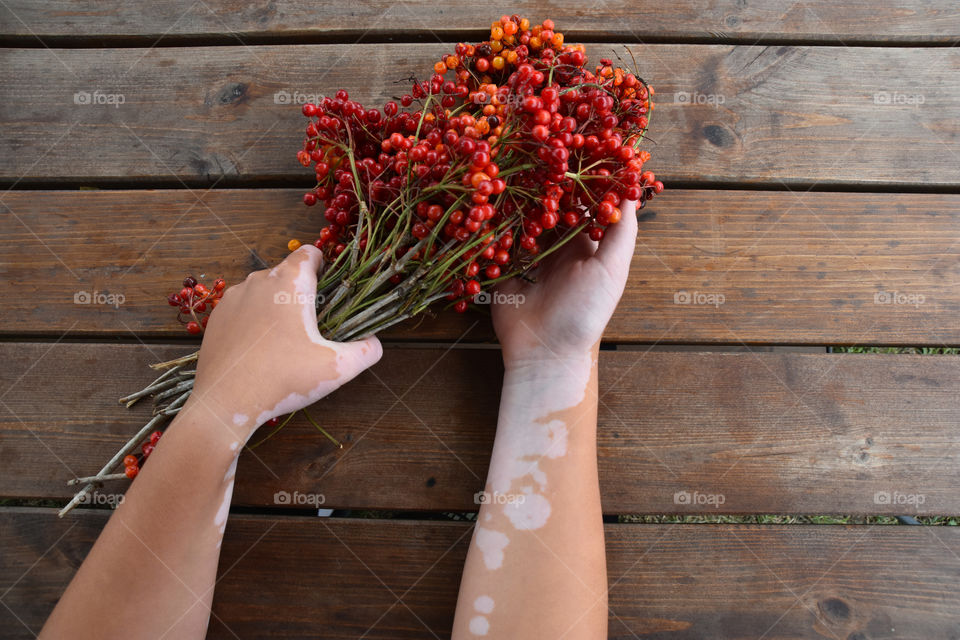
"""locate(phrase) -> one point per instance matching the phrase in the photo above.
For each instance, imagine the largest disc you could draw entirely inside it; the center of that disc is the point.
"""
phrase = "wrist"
(542, 361)
(209, 424)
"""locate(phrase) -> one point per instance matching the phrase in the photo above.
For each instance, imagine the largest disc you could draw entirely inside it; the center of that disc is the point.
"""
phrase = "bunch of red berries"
(133, 463)
(513, 148)
(195, 301)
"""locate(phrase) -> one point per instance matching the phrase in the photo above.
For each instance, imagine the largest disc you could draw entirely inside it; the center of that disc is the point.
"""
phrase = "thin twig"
(117, 457)
(97, 479)
(186, 385)
(176, 361)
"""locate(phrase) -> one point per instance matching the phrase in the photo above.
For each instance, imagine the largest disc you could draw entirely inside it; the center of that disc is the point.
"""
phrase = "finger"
(356, 356)
(620, 240)
(308, 253)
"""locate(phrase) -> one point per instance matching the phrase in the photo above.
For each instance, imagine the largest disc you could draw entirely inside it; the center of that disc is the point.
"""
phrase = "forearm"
(536, 566)
(153, 568)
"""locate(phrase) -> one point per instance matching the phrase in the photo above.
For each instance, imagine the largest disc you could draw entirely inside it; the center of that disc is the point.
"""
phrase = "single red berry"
(130, 461)
(131, 471)
(460, 307)
(193, 327)
(272, 422)
(189, 282)
(155, 437)
(147, 449)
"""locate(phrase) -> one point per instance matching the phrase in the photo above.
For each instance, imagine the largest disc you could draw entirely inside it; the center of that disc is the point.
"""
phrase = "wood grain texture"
(819, 20)
(768, 432)
(795, 115)
(399, 579)
(790, 268)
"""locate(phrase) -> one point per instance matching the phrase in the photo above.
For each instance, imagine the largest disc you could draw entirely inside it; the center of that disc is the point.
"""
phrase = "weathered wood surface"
(816, 268)
(796, 115)
(338, 578)
(819, 20)
(767, 432)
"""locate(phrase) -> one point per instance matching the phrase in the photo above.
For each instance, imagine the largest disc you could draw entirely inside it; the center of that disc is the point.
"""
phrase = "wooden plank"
(764, 432)
(795, 269)
(676, 581)
(794, 115)
(819, 20)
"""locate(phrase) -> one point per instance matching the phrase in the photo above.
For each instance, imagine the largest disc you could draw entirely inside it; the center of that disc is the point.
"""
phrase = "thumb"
(354, 357)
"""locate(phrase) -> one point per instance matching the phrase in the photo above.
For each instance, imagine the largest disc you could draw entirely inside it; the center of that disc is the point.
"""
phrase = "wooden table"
(810, 151)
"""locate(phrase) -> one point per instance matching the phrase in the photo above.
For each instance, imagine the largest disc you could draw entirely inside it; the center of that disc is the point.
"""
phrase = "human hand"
(262, 355)
(564, 313)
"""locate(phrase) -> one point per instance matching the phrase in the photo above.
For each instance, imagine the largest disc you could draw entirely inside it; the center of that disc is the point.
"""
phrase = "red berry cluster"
(195, 301)
(133, 463)
(516, 146)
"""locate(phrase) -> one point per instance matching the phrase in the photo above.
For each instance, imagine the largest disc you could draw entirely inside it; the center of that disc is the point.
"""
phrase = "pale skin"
(152, 571)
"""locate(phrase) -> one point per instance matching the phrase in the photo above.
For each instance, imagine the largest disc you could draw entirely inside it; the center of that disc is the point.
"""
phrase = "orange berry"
(440, 67)
(524, 24)
(293, 245)
(496, 46)
(452, 62)
(498, 62)
(548, 24)
(510, 27)
(489, 110)
(496, 33)
(535, 42)
(557, 40)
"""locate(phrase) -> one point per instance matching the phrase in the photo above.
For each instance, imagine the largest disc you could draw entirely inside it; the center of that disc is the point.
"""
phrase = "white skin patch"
(491, 544)
(306, 295)
(479, 626)
(234, 445)
(527, 446)
(221, 518)
(483, 604)
(530, 513)
(231, 471)
(240, 419)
